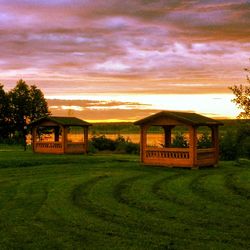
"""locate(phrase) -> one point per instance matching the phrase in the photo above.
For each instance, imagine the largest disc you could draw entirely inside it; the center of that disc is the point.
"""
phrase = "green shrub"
(91, 148)
(244, 148)
(132, 148)
(228, 146)
(126, 146)
(119, 145)
(103, 143)
(243, 140)
(204, 141)
(179, 141)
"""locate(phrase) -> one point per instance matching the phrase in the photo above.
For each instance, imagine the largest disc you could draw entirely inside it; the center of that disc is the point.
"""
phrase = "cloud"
(92, 104)
(100, 110)
(124, 46)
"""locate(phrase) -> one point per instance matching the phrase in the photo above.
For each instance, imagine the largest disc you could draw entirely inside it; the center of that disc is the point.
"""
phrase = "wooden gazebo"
(60, 135)
(168, 156)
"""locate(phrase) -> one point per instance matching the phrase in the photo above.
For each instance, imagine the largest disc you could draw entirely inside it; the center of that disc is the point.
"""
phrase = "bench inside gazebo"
(60, 135)
(190, 156)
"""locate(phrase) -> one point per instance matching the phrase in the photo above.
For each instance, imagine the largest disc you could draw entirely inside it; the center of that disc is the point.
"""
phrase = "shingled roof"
(65, 121)
(184, 117)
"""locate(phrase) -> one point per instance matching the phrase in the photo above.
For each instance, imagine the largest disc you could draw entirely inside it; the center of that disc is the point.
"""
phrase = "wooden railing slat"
(169, 153)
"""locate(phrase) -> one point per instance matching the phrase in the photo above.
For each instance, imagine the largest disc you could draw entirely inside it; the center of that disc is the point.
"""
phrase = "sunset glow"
(122, 60)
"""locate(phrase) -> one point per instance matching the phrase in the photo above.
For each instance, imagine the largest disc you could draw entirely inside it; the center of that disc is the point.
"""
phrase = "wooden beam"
(57, 130)
(143, 143)
(34, 138)
(215, 141)
(193, 145)
(64, 139)
(167, 135)
(86, 139)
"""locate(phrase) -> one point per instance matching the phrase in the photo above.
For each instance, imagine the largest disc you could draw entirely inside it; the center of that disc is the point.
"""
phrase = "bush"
(11, 141)
(243, 140)
(179, 141)
(205, 141)
(91, 148)
(228, 146)
(126, 146)
(244, 148)
(119, 145)
(102, 143)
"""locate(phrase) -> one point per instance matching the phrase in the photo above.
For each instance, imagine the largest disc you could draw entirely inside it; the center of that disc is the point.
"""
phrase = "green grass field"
(111, 202)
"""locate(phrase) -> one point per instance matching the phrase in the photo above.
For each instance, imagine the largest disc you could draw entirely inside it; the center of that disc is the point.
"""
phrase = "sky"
(123, 60)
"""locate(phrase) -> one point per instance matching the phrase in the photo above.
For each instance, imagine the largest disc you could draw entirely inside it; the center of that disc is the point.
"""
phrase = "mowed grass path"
(111, 202)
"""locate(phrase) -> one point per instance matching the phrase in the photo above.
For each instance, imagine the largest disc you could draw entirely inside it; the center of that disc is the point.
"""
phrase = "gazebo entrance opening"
(75, 134)
(188, 140)
(49, 134)
(168, 136)
(204, 137)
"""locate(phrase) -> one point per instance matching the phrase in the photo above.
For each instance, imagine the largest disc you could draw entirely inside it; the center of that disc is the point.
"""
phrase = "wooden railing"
(75, 145)
(206, 153)
(48, 145)
(58, 148)
(173, 153)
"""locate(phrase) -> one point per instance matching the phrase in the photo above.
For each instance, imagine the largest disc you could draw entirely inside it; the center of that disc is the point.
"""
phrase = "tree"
(242, 97)
(39, 106)
(20, 102)
(242, 100)
(4, 114)
(26, 104)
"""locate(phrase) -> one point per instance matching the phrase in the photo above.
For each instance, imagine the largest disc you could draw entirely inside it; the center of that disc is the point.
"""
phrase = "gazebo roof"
(65, 121)
(184, 117)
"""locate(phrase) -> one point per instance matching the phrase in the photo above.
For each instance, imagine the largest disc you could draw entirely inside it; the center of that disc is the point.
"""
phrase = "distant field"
(111, 202)
(128, 127)
(155, 134)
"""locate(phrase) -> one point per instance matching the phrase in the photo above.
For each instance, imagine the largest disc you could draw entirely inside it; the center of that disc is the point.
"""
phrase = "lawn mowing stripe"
(234, 214)
(211, 219)
(74, 227)
(163, 231)
(26, 202)
(128, 183)
(80, 199)
(8, 190)
(231, 183)
(58, 218)
(115, 232)
(121, 195)
(221, 194)
(157, 189)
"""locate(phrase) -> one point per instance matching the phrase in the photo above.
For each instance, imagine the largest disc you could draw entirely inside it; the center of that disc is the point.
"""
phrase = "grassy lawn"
(111, 202)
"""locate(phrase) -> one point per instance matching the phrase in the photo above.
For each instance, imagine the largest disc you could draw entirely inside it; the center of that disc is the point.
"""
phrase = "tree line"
(18, 107)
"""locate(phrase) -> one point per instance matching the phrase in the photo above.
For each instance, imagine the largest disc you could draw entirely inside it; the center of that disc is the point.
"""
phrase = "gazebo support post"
(86, 139)
(167, 135)
(193, 146)
(64, 139)
(57, 129)
(34, 129)
(143, 143)
(215, 141)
